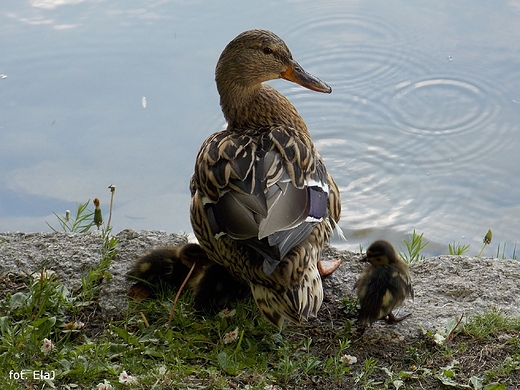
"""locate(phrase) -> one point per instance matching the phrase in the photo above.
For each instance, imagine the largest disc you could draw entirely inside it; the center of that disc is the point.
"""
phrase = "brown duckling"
(212, 285)
(170, 264)
(263, 204)
(215, 288)
(383, 285)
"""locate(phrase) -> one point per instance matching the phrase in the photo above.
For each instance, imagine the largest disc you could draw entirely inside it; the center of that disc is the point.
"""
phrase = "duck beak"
(298, 75)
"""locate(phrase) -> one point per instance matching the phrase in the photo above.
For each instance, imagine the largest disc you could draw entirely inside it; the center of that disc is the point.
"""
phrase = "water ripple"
(409, 133)
(441, 106)
(349, 27)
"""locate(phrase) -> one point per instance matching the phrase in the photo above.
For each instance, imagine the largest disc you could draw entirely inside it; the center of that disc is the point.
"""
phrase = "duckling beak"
(298, 75)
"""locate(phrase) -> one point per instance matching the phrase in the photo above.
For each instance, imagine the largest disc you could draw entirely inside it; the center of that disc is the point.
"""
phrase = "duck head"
(253, 57)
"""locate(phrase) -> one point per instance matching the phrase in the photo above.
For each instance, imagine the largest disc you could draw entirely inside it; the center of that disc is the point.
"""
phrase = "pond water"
(421, 130)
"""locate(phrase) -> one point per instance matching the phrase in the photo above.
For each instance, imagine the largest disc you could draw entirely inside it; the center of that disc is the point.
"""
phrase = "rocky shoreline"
(446, 287)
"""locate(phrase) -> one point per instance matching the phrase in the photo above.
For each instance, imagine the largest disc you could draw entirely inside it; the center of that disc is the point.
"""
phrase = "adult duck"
(263, 204)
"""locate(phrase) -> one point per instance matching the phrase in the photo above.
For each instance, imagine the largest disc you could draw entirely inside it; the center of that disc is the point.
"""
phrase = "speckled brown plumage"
(383, 285)
(263, 204)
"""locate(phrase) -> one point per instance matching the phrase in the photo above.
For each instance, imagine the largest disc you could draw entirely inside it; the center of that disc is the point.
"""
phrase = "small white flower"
(47, 346)
(226, 313)
(348, 359)
(124, 377)
(162, 370)
(231, 336)
(439, 339)
(104, 386)
(43, 275)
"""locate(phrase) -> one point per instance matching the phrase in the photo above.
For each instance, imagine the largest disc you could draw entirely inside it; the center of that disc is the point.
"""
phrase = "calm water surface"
(421, 130)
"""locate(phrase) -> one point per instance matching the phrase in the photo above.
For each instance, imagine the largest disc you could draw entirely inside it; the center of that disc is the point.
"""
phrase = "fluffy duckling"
(383, 285)
(214, 288)
(169, 264)
(263, 204)
(212, 285)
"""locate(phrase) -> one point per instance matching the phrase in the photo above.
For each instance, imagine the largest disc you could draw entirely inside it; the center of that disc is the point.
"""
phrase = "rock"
(71, 255)
(445, 286)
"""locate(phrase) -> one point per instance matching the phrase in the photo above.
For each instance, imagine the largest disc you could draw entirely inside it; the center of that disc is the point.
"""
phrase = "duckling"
(383, 285)
(170, 264)
(263, 204)
(213, 287)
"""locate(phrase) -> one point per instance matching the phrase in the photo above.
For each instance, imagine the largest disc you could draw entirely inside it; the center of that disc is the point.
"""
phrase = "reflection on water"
(421, 130)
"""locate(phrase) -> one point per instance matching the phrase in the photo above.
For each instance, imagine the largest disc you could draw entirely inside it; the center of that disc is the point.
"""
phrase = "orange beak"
(298, 75)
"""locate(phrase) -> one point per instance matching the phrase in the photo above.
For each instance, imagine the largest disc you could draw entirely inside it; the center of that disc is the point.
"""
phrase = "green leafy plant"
(350, 305)
(81, 223)
(456, 249)
(85, 219)
(363, 377)
(339, 364)
(91, 281)
(414, 245)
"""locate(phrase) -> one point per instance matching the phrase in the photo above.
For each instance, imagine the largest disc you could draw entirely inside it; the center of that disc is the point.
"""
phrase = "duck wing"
(267, 187)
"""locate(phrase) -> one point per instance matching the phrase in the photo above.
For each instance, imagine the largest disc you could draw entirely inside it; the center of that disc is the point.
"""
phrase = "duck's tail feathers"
(296, 304)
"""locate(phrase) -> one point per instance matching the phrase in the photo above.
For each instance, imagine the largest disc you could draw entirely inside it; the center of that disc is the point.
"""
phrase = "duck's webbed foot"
(327, 267)
(391, 319)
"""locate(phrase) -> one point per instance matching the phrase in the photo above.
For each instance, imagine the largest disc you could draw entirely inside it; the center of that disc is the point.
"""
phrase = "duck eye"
(268, 50)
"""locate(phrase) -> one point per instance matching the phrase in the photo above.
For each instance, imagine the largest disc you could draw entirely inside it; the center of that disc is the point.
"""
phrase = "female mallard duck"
(263, 204)
(383, 285)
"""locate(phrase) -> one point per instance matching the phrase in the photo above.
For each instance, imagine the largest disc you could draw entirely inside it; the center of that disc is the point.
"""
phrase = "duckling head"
(381, 253)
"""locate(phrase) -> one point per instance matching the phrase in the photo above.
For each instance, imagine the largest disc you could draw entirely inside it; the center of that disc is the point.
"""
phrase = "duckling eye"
(268, 50)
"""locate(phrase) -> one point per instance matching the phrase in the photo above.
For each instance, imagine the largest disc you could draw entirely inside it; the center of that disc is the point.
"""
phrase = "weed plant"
(41, 331)
(414, 245)
(456, 249)
(81, 223)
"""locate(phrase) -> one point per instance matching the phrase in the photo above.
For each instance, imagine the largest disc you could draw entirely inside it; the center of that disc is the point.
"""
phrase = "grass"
(43, 331)
(488, 324)
(463, 351)
(40, 327)
(502, 255)
(193, 352)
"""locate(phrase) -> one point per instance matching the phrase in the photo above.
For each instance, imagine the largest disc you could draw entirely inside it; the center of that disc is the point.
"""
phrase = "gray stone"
(446, 287)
